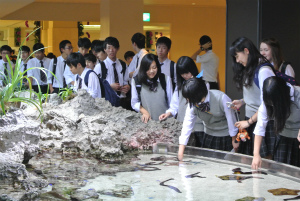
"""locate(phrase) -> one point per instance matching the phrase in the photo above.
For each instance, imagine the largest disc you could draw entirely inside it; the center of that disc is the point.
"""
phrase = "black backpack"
(54, 71)
(172, 65)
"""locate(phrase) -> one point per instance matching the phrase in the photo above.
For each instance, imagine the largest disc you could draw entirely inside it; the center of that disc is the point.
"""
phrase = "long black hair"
(145, 65)
(243, 76)
(276, 96)
(194, 90)
(185, 65)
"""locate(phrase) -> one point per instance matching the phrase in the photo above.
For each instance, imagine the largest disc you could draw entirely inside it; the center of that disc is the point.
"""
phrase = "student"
(90, 61)
(128, 56)
(211, 107)
(151, 90)
(209, 61)
(38, 76)
(60, 70)
(117, 76)
(281, 102)
(101, 56)
(186, 69)
(93, 46)
(246, 61)
(84, 44)
(270, 48)
(4, 65)
(25, 54)
(77, 66)
(138, 45)
(168, 67)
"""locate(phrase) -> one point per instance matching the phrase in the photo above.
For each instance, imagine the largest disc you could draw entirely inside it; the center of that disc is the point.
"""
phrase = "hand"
(241, 124)
(256, 162)
(238, 104)
(235, 145)
(164, 116)
(51, 89)
(207, 45)
(299, 137)
(146, 117)
(125, 89)
(115, 86)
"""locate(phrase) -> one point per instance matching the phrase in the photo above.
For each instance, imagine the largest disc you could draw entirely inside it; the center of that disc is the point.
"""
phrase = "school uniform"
(93, 87)
(69, 76)
(253, 97)
(209, 65)
(218, 122)
(6, 70)
(287, 147)
(166, 69)
(178, 107)
(155, 102)
(136, 62)
(60, 81)
(40, 77)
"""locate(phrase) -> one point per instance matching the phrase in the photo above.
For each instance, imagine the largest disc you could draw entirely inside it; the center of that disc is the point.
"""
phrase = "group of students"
(159, 88)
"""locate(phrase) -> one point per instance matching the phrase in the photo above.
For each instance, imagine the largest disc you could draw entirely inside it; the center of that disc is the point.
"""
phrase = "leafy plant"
(66, 93)
(80, 29)
(37, 32)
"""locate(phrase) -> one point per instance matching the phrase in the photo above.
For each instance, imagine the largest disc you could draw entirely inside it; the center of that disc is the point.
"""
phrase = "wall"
(188, 25)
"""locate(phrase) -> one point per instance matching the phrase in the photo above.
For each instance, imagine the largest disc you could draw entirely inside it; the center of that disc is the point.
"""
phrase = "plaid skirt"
(212, 142)
(267, 144)
(287, 151)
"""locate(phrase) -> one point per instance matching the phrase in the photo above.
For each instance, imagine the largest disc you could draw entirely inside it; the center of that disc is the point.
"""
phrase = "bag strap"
(172, 67)
(162, 79)
(86, 77)
(138, 87)
(284, 65)
(103, 70)
(123, 67)
(255, 79)
(54, 68)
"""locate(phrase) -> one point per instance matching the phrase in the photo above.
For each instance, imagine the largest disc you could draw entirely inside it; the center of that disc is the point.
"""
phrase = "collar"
(110, 62)
(83, 73)
(142, 51)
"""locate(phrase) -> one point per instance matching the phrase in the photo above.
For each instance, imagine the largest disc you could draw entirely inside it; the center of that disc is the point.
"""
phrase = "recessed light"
(193, 4)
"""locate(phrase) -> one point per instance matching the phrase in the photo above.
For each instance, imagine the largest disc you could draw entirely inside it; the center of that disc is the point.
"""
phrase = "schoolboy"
(77, 66)
(90, 61)
(117, 76)
(168, 67)
(84, 44)
(25, 54)
(128, 56)
(4, 64)
(40, 74)
(138, 45)
(93, 45)
(209, 61)
(55, 84)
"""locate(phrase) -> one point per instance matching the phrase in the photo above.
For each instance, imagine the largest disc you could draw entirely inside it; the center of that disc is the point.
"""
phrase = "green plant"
(17, 36)
(37, 32)
(80, 29)
(66, 93)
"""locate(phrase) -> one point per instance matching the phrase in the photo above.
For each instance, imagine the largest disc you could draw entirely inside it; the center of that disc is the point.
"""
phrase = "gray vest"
(154, 102)
(292, 124)
(199, 127)
(215, 122)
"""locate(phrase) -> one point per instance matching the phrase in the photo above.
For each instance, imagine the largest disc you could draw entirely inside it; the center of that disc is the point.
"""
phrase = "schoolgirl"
(248, 65)
(151, 90)
(281, 102)
(185, 69)
(270, 48)
(211, 107)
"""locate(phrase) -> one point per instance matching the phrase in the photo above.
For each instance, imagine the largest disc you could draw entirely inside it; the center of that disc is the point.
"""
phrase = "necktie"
(203, 107)
(5, 69)
(137, 62)
(42, 73)
(161, 64)
(79, 83)
(64, 80)
(25, 74)
(116, 76)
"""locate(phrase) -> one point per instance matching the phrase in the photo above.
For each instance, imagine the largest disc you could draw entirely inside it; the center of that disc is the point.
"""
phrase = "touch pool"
(159, 176)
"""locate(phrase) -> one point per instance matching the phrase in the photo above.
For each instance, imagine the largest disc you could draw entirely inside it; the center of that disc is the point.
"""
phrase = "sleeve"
(290, 71)
(262, 120)
(169, 89)
(49, 73)
(132, 65)
(188, 125)
(135, 102)
(97, 69)
(69, 76)
(230, 116)
(126, 77)
(174, 103)
(263, 74)
(203, 58)
(94, 86)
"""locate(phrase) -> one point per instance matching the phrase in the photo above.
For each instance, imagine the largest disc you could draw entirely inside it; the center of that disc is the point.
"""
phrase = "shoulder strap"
(54, 68)
(162, 79)
(138, 87)
(284, 65)
(103, 70)
(86, 77)
(172, 73)
(255, 79)
(123, 67)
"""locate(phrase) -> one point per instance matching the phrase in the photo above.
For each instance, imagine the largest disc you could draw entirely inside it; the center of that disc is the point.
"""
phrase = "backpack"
(138, 85)
(104, 69)
(287, 78)
(106, 91)
(54, 71)
(284, 65)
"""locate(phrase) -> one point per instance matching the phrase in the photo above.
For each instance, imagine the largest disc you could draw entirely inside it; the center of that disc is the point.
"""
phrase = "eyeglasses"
(69, 48)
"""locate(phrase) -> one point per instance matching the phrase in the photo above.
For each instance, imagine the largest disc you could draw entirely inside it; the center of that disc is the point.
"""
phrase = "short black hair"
(24, 48)
(50, 55)
(76, 58)
(194, 90)
(99, 47)
(139, 39)
(39, 47)
(90, 57)
(128, 54)
(5, 48)
(63, 44)
(95, 43)
(84, 42)
(111, 41)
(165, 41)
(205, 39)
